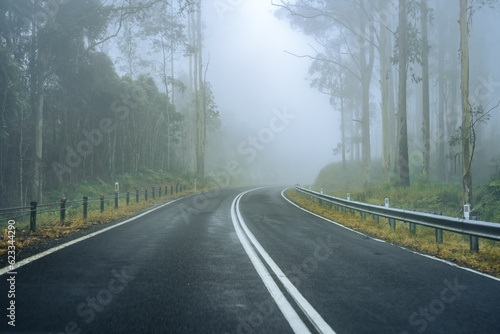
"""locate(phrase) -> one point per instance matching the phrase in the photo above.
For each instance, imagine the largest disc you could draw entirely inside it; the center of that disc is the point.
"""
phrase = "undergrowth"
(455, 247)
(422, 196)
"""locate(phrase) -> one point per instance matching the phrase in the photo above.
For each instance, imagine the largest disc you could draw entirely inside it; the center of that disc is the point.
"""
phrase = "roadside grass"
(423, 197)
(455, 247)
(49, 226)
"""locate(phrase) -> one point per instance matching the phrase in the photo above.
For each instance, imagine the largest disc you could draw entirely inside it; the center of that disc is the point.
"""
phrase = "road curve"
(227, 262)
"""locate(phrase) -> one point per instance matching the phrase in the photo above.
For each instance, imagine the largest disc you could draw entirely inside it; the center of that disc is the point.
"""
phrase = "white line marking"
(30, 259)
(291, 316)
(380, 240)
(315, 318)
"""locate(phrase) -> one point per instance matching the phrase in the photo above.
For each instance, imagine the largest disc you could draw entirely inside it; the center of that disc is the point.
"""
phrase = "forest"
(66, 115)
(92, 90)
(405, 71)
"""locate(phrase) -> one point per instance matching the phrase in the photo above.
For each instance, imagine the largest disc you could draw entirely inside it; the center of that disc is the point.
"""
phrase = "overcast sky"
(252, 75)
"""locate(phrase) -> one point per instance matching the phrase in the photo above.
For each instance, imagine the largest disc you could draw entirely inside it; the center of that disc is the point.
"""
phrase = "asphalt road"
(223, 262)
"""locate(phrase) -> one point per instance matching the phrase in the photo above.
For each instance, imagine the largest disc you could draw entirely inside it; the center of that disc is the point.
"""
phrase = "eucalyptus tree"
(198, 90)
(166, 33)
(349, 20)
(332, 74)
(426, 133)
(469, 118)
(407, 51)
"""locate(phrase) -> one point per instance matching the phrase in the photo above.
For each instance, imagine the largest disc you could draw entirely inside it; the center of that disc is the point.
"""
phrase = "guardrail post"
(102, 203)
(33, 216)
(363, 215)
(392, 223)
(128, 197)
(474, 240)
(146, 195)
(439, 236)
(343, 209)
(137, 195)
(439, 232)
(116, 200)
(413, 228)
(166, 190)
(153, 192)
(171, 190)
(62, 215)
(159, 192)
(376, 218)
(176, 189)
(85, 206)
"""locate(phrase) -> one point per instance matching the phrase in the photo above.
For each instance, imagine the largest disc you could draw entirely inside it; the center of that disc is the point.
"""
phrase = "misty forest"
(99, 90)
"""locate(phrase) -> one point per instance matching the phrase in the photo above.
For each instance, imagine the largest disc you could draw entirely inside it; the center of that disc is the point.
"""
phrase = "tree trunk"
(441, 155)
(342, 119)
(426, 135)
(201, 110)
(404, 171)
(366, 69)
(385, 68)
(466, 108)
(192, 95)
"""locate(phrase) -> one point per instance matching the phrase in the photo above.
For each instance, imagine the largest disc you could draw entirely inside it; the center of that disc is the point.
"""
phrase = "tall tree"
(386, 82)
(404, 171)
(167, 35)
(466, 107)
(198, 89)
(426, 134)
(351, 21)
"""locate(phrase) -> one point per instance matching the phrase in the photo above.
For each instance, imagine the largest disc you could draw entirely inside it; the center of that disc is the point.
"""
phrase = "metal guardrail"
(474, 228)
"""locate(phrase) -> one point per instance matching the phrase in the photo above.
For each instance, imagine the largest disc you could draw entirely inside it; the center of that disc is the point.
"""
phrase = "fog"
(262, 92)
(252, 76)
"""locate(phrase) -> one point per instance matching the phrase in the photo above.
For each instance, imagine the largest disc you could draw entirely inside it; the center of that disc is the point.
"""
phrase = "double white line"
(252, 247)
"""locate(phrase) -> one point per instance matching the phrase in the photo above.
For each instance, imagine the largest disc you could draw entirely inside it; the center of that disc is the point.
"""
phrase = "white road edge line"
(319, 323)
(286, 309)
(380, 240)
(30, 259)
